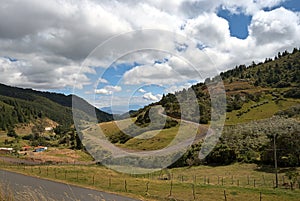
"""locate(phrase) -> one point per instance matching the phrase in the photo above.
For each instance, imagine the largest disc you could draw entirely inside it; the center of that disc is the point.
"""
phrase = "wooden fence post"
(125, 185)
(171, 188)
(147, 187)
(260, 196)
(225, 195)
(109, 181)
(194, 194)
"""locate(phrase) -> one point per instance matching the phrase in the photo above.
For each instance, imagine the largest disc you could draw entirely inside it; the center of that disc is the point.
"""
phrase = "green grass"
(267, 109)
(113, 127)
(101, 178)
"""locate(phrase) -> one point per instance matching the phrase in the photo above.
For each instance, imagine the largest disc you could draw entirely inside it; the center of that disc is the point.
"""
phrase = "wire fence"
(158, 184)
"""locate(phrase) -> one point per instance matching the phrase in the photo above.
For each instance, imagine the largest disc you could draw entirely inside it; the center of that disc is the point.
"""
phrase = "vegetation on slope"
(25, 105)
(254, 95)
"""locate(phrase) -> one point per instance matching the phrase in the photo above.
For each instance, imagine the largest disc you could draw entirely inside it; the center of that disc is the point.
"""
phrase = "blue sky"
(43, 47)
(238, 23)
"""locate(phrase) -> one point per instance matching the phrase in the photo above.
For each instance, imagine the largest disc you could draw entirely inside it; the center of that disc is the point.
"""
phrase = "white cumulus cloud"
(108, 90)
(150, 97)
(141, 90)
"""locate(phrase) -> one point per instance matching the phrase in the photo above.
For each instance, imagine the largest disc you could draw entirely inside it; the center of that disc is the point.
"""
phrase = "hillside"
(19, 105)
(265, 88)
(262, 102)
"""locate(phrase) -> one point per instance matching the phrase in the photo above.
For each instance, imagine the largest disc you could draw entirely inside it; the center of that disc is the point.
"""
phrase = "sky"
(129, 53)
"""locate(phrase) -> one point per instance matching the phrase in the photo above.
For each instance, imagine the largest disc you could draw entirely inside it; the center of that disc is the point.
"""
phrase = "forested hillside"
(263, 102)
(259, 84)
(26, 105)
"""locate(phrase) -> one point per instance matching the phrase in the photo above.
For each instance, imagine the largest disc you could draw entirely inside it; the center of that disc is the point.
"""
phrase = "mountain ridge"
(18, 105)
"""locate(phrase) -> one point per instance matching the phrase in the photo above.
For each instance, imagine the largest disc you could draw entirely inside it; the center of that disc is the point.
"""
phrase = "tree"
(295, 50)
(221, 155)
(12, 133)
(287, 142)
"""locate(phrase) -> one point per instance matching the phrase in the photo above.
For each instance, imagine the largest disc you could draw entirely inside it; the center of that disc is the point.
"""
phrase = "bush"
(221, 155)
(282, 84)
(120, 137)
(12, 133)
(28, 137)
(292, 93)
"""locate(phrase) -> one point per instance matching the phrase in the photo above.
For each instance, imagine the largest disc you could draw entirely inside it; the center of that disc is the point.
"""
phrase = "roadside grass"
(209, 183)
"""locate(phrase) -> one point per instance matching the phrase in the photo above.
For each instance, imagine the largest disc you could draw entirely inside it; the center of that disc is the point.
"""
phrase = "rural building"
(6, 150)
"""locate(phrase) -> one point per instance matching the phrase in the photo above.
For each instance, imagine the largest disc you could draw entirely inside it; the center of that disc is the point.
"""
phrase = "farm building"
(6, 150)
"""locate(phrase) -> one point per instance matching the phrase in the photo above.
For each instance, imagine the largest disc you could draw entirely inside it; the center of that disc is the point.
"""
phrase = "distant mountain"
(110, 111)
(120, 109)
(19, 105)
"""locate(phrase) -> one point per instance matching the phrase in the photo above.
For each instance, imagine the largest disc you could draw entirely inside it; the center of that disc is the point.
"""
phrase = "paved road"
(35, 189)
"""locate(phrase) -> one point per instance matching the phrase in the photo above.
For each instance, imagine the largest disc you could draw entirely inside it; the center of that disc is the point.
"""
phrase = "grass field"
(196, 183)
(253, 111)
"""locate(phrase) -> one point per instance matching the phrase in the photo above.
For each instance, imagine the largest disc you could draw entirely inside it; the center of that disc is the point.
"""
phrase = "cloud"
(108, 90)
(192, 9)
(150, 97)
(51, 40)
(158, 73)
(141, 91)
(274, 26)
(208, 28)
(102, 80)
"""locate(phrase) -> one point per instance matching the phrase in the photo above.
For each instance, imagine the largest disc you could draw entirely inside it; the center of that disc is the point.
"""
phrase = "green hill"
(262, 100)
(19, 105)
(262, 89)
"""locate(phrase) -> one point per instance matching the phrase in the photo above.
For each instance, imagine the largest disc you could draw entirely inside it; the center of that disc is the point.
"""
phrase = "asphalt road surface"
(34, 189)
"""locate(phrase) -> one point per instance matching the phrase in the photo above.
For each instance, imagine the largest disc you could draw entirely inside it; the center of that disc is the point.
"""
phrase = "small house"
(6, 150)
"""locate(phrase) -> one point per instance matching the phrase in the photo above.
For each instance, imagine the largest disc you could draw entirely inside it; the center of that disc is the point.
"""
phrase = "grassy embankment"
(239, 181)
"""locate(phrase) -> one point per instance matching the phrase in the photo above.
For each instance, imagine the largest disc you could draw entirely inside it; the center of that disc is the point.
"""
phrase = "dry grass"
(58, 155)
(101, 178)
